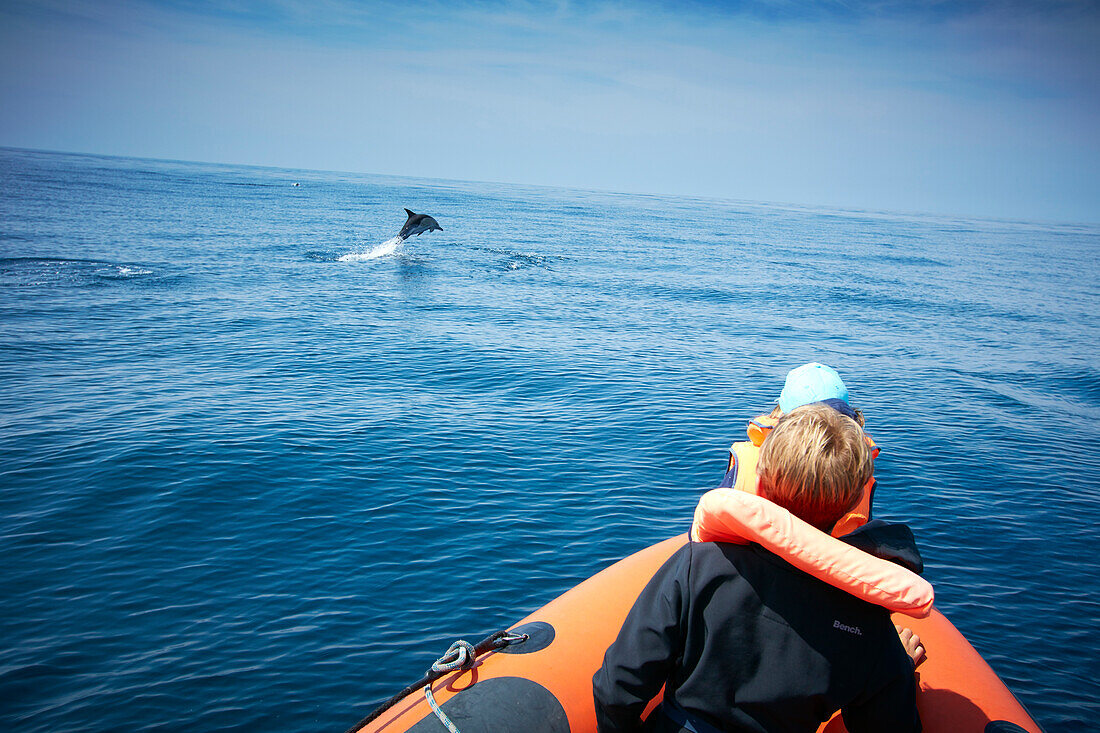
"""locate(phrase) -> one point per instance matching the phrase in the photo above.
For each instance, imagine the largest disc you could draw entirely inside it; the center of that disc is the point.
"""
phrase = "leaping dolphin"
(418, 224)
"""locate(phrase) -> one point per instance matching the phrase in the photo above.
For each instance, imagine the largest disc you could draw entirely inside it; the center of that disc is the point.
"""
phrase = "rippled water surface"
(260, 467)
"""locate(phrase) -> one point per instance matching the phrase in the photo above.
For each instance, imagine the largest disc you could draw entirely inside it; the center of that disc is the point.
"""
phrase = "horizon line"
(844, 209)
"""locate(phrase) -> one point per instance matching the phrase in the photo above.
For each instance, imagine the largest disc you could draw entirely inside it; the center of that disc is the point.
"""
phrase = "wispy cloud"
(889, 104)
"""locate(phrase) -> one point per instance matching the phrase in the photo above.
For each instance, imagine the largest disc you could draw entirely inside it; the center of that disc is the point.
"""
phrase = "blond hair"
(777, 412)
(815, 463)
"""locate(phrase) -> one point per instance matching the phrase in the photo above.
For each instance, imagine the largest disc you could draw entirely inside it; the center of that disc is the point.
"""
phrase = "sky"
(988, 109)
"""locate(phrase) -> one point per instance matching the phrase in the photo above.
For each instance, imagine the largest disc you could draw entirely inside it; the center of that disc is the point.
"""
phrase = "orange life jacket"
(746, 454)
(725, 515)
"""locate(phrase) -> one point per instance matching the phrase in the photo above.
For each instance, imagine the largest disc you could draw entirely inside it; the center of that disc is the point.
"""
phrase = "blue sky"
(972, 108)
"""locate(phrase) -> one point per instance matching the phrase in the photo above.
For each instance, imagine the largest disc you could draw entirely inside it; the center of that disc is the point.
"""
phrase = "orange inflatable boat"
(538, 678)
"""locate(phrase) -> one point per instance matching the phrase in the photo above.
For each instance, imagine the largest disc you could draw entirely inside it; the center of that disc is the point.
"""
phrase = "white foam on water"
(386, 248)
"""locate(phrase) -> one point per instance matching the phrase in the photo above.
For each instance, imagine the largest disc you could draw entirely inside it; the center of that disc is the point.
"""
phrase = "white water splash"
(386, 248)
(125, 271)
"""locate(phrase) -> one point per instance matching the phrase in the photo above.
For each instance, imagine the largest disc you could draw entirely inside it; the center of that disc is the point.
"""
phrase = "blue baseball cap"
(809, 383)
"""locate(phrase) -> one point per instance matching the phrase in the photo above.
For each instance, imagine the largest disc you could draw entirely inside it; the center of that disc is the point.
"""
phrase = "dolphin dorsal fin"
(410, 213)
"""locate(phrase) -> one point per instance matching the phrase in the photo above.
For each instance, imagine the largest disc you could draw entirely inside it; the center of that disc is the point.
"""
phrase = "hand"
(912, 645)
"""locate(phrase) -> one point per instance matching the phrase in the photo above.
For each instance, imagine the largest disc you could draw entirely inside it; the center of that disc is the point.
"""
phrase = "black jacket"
(743, 641)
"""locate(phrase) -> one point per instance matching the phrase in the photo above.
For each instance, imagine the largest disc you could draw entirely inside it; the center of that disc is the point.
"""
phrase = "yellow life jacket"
(745, 455)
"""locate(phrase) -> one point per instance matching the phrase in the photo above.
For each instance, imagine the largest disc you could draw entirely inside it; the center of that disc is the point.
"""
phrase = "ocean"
(261, 463)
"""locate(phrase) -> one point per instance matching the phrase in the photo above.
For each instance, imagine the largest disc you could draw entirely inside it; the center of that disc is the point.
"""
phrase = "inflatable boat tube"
(544, 684)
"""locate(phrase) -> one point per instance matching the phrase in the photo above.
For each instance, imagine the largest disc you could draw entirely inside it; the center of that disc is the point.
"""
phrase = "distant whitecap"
(125, 271)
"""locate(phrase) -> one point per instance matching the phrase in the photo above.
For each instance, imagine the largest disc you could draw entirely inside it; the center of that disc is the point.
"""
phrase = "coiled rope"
(461, 655)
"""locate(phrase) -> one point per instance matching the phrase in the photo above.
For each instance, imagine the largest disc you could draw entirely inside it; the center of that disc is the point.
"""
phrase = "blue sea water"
(260, 466)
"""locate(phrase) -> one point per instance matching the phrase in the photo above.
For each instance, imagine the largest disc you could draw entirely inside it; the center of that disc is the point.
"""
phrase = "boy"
(741, 640)
(804, 385)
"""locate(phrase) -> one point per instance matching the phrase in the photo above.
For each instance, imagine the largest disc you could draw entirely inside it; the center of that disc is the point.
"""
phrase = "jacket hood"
(893, 542)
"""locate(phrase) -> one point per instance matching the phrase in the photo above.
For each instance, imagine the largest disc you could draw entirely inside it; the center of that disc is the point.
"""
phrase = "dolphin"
(418, 224)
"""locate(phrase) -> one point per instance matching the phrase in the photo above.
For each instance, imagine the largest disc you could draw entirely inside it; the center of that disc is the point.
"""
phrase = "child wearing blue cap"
(811, 383)
(807, 384)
